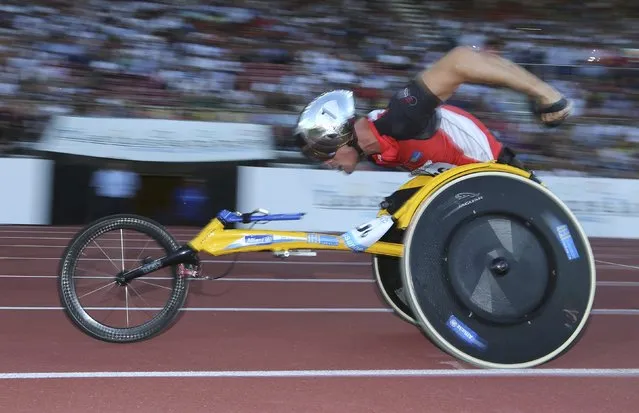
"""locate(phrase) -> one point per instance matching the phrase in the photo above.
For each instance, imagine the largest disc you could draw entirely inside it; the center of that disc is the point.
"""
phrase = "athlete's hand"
(552, 113)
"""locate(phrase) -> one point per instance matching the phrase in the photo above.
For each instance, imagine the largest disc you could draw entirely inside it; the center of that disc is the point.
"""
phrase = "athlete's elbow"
(448, 73)
(460, 52)
(460, 60)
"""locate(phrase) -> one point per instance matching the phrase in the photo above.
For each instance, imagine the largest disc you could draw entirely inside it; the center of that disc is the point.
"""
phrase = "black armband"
(427, 93)
(410, 113)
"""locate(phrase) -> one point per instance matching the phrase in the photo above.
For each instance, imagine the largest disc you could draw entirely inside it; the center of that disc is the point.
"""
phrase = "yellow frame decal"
(216, 240)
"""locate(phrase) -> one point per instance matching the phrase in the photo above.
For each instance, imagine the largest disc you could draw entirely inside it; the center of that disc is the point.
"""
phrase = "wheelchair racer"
(417, 127)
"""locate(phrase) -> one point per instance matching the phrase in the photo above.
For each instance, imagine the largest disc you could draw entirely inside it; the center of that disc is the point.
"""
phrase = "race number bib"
(365, 235)
(433, 169)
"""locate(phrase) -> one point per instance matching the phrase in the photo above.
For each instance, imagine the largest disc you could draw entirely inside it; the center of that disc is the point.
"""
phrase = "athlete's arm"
(466, 65)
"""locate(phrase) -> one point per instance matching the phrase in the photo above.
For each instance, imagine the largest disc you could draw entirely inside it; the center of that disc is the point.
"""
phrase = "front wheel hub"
(119, 279)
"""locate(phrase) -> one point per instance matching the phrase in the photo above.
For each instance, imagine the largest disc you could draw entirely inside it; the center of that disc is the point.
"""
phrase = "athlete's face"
(345, 159)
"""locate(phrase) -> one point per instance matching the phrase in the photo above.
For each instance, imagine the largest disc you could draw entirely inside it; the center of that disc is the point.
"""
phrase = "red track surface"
(37, 338)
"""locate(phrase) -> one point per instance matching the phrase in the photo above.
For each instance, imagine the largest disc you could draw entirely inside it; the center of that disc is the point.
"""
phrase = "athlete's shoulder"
(414, 100)
(409, 113)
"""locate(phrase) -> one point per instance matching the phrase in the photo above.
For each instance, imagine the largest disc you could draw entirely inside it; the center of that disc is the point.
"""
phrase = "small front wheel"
(88, 270)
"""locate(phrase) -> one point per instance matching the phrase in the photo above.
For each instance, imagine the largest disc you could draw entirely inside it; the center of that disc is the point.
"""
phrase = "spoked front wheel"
(113, 311)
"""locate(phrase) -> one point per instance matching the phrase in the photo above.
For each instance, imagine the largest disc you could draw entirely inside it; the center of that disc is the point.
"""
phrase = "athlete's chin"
(345, 169)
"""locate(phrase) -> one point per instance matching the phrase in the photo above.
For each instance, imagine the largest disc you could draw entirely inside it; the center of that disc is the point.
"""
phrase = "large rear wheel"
(498, 272)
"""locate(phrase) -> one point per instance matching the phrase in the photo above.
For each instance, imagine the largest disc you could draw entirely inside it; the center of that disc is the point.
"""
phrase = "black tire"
(388, 276)
(66, 285)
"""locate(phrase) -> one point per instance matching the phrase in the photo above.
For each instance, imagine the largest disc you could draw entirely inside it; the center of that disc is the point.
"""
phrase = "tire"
(388, 276)
(71, 303)
(444, 249)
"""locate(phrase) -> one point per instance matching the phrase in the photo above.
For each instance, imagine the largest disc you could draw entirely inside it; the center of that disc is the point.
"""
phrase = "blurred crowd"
(191, 59)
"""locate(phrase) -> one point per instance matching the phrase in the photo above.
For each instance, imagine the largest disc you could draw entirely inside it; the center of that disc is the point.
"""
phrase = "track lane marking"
(223, 279)
(423, 373)
(598, 311)
(267, 279)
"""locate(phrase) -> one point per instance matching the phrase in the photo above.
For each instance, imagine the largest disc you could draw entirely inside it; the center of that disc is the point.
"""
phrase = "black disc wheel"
(498, 272)
(120, 312)
(490, 258)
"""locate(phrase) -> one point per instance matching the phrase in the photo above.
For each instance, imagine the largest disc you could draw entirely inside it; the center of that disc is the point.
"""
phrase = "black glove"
(556, 107)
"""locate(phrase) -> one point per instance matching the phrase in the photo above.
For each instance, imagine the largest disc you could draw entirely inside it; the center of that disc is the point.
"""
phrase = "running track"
(304, 335)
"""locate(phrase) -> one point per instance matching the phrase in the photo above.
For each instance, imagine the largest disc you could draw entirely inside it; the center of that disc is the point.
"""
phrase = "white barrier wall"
(157, 140)
(333, 201)
(605, 207)
(26, 187)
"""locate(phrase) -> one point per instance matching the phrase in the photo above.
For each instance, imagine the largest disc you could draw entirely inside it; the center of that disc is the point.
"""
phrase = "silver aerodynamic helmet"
(326, 124)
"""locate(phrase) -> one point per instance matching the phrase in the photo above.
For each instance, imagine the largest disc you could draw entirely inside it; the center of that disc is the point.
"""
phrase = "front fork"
(183, 255)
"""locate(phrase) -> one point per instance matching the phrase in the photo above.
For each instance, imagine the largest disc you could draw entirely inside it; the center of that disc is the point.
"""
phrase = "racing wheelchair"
(486, 261)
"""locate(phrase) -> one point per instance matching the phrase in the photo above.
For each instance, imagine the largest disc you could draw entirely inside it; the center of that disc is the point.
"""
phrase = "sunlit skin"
(459, 66)
(346, 158)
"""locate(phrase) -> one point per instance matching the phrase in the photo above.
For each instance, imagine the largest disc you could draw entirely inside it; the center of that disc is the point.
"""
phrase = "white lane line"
(613, 311)
(217, 309)
(618, 283)
(475, 373)
(224, 279)
(614, 264)
(616, 311)
(276, 280)
(269, 262)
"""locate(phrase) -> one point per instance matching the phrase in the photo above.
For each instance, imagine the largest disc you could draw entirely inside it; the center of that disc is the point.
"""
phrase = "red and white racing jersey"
(415, 128)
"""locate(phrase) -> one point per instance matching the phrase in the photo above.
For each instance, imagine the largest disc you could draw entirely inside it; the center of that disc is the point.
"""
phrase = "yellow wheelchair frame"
(216, 240)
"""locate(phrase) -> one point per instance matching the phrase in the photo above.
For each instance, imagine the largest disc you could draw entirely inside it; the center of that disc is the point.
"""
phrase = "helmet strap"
(353, 143)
